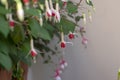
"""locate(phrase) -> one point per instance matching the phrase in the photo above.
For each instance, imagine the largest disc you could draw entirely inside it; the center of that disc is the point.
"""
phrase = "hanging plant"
(28, 26)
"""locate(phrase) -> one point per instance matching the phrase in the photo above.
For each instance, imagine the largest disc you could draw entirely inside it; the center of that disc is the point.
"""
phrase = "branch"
(79, 3)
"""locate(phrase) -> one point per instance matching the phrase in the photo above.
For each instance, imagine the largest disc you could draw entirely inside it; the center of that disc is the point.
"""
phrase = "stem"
(79, 3)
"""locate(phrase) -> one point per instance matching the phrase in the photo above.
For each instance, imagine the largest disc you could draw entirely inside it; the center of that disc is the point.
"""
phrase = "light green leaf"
(32, 11)
(5, 61)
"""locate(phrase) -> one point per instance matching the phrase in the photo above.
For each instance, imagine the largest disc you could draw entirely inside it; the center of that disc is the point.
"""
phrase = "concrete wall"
(101, 59)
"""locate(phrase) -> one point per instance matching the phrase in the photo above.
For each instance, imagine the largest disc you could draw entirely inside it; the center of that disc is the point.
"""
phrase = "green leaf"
(67, 25)
(71, 7)
(38, 31)
(3, 10)
(18, 34)
(4, 27)
(4, 48)
(5, 61)
(77, 18)
(32, 11)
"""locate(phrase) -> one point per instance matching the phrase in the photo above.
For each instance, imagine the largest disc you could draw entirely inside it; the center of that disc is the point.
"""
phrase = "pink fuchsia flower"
(26, 3)
(20, 11)
(57, 78)
(63, 64)
(57, 16)
(48, 12)
(84, 41)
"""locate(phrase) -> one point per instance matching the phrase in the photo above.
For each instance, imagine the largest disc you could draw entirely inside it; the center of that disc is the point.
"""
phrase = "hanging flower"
(57, 77)
(84, 18)
(11, 22)
(26, 2)
(48, 12)
(52, 9)
(84, 40)
(90, 16)
(20, 11)
(57, 74)
(5, 2)
(57, 16)
(71, 35)
(63, 64)
(33, 51)
(64, 2)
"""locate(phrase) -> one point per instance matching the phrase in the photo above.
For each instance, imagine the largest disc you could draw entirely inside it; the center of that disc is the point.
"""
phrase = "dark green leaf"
(89, 2)
(4, 27)
(38, 31)
(18, 34)
(71, 7)
(3, 10)
(5, 61)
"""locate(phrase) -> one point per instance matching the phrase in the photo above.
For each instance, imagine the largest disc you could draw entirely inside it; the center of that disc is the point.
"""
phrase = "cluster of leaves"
(15, 45)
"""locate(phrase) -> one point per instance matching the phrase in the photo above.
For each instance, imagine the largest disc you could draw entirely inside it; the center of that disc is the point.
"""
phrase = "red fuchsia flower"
(33, 51)
(20, 11)
(64, 2)
(26, 3)
(48, 12)
(52, 9)
(63, 44)
(71, 35)
(11, 22)
(84, 40)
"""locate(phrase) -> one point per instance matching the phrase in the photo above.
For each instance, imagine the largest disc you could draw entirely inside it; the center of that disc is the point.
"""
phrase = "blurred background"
(101, 59)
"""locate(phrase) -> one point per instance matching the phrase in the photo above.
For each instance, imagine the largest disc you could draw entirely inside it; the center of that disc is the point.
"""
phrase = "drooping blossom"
(5, 2)
(84, 18)
(64, 3)
(57, 74)
(71, 35)
(11, 22)
(84, 40)
(33, 52)
(48, 12)
(26, 3)
(90, 16)
(57, 16)
(63, 64)
(20, 11)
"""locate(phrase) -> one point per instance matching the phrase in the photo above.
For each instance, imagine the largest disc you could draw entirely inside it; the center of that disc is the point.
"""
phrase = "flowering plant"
(27, 27)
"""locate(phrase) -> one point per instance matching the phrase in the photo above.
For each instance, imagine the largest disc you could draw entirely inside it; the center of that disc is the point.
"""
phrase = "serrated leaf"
(38, 31)
(71, 7)
(18, 34)
(4, 27)
(5, 61)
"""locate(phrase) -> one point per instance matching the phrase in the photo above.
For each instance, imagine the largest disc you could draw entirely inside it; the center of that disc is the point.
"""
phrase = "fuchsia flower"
(64, 2)
(35, 3)
(71, 35)
(57, 16)
(33, 51)
(63, 64)
(63, 43)
(20, 11)
(48, 12)
(57, 74)
(26, 2)
(11, 22)
(84, 40)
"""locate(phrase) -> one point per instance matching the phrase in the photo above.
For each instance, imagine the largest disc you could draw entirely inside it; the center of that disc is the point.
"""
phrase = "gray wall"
(101, 59)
